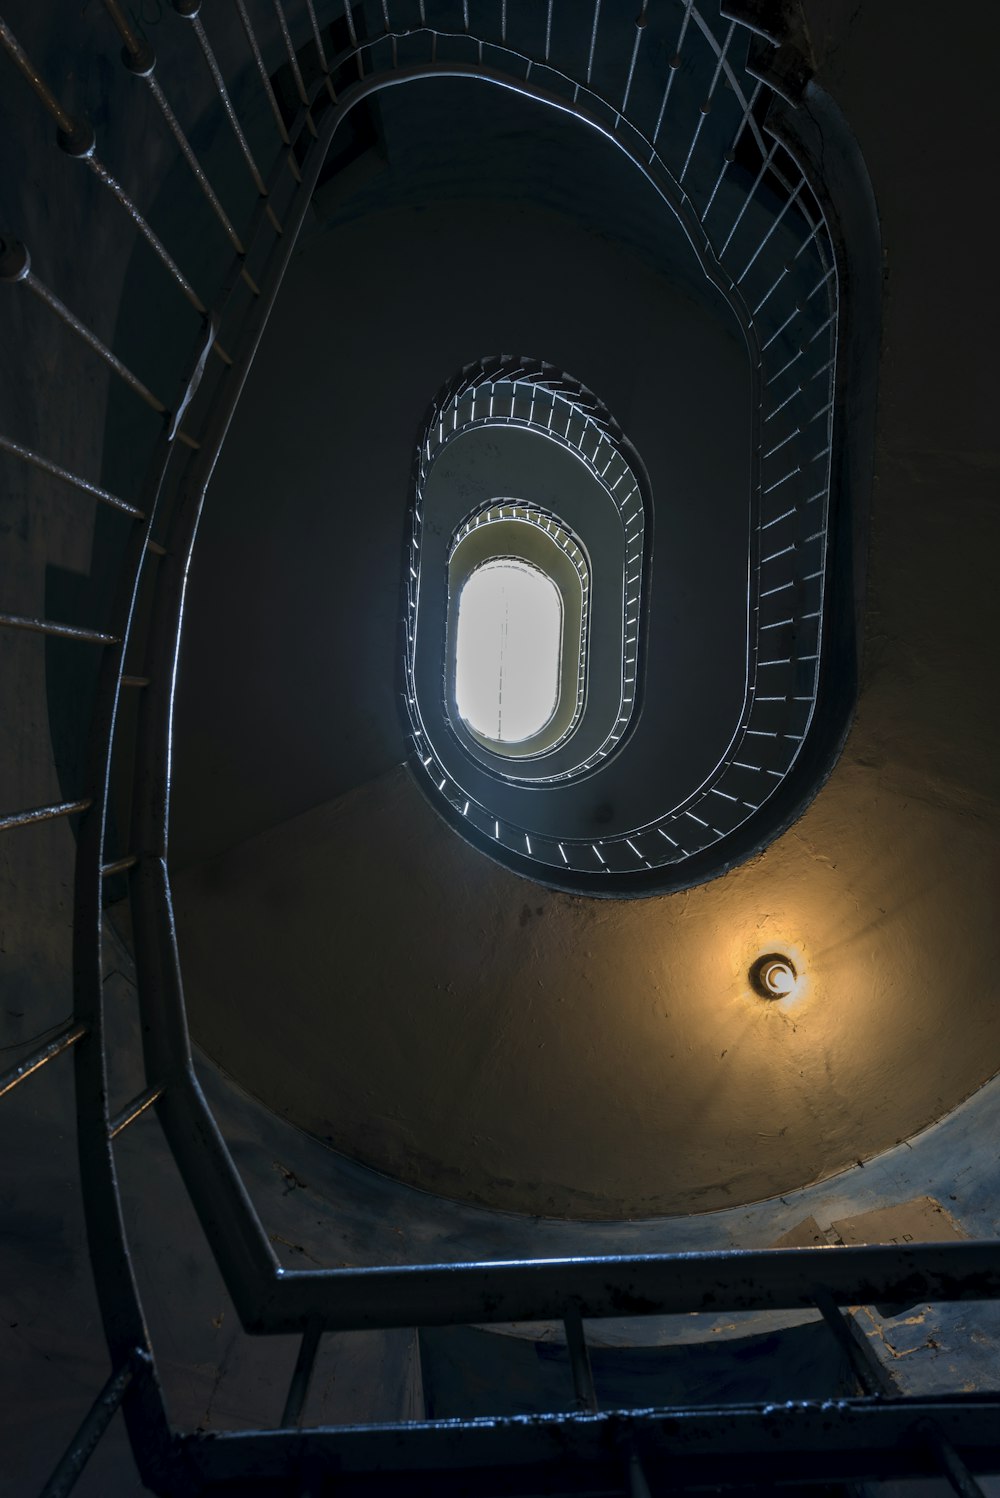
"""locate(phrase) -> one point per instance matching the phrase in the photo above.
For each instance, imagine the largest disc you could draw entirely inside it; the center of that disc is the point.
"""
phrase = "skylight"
(508, 650)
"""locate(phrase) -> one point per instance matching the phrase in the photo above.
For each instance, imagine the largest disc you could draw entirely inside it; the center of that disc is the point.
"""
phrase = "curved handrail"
(179, 468)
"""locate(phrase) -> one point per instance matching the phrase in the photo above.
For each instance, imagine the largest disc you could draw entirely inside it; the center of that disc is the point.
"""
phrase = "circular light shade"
(773, 976)
(508, 650)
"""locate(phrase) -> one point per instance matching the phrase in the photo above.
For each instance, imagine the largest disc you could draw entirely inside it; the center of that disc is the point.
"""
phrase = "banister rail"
(862, 1435)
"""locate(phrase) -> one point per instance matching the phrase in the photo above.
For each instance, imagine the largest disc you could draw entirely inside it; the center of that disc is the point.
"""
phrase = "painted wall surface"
(291, 658)
(901, 845)
(480, 1037)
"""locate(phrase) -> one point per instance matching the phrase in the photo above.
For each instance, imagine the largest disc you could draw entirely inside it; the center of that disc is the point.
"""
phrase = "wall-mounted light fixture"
(773, 976)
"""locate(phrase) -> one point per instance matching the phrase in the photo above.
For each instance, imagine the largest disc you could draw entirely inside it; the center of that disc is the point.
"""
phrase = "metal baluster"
(874, 1379)
(19, 57)
(707, 103)
(101, 1413)
(774, 224)
(388, 31)
(190, 11)
(674, 65)
(36, 460)
(765, 164)
(730, 155)
(642, 21)
(952, 1465)
(638, 1487)
(136, 1108)
(320, 51)
(15, 265)
(579, 1360)
(265, 79)
(298, 1389)
(63, 631)
(593, 39)
(76, 139)
(140, 59)
(293, 62)
(353, 34)
(71, 1033)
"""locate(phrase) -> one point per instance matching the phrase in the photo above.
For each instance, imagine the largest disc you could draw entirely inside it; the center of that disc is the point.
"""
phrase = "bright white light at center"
(779, 978)
(508, 649)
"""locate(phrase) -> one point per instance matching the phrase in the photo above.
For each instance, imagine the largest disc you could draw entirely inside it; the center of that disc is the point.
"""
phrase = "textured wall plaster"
(606, 1059)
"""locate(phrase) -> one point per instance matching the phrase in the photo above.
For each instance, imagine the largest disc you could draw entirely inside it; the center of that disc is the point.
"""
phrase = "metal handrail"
(270, 1300)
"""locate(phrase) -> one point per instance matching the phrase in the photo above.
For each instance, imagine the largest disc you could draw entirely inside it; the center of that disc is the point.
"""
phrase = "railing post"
(99, 1417)
(298, 1389)
(579, 1360)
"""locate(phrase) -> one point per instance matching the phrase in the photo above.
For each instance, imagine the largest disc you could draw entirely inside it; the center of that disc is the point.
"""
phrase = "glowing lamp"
(773, 976)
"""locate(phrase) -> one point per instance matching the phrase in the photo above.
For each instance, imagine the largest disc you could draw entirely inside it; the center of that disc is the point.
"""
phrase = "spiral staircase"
(157, 187)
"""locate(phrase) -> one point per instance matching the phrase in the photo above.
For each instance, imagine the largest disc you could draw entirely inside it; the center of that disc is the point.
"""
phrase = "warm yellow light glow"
(774, 976)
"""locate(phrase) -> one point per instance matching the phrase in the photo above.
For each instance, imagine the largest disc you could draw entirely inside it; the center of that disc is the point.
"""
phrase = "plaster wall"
(479, 1036)
(921, 746)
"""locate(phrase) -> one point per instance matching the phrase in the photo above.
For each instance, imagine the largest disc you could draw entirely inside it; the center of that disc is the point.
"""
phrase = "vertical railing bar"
(71, 1033)
(353, 35)
(824, 278)
(212, 63)
(184, 145)
(317, 38)
(593, 39)
(579, 1360)
(141, 61)
(109, 1254)
(45, 465)
(321, 51)
(548, 31)
(53, 627)
(765, 164)
(293, 62)
(952, 1465)
(730, 155)
(638, 1487)
(707, 103)
(674, 65)
(640, 28)
(136, 1108)
(146, 230)
(772, 288)
(866, 1367)
(265, 79)
(774, 224)
(874, 1379)
(19, 57)
(76, 137)
(236, 1234)
(298, 1388)
(99, 1417)
(135, 45)
(15, 266)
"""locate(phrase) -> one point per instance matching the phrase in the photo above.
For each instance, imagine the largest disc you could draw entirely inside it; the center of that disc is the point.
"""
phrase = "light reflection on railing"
(735, 233)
